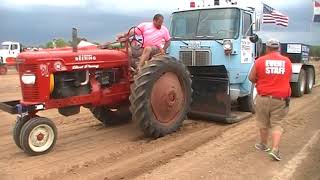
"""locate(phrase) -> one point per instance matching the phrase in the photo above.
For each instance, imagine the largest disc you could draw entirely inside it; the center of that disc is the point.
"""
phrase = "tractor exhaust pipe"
(74, 40)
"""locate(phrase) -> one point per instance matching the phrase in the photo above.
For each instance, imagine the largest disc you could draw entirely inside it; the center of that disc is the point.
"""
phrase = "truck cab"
(9, 50)
(219, 39)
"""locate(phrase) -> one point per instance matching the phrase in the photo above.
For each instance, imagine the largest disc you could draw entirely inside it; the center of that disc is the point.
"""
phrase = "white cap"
(273, 43)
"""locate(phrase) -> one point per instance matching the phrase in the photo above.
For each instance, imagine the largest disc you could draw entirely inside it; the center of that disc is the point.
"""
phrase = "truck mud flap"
(10, 106)
(211, 96)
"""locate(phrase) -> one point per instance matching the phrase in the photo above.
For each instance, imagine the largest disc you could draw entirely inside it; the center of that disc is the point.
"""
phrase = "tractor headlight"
(28, 79)
(227, 46)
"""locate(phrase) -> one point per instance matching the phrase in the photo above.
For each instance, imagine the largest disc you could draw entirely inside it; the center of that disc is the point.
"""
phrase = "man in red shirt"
(271, 73)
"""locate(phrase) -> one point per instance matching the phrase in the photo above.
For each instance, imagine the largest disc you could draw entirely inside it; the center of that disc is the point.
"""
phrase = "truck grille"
(186, 57)
(195, 58)
(29, 92)
(202, 58)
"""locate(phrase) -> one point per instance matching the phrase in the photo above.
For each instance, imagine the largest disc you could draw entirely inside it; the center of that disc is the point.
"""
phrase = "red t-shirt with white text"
(273, 75)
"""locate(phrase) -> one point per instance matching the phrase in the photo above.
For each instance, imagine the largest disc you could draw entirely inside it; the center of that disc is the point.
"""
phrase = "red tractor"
(158, 97)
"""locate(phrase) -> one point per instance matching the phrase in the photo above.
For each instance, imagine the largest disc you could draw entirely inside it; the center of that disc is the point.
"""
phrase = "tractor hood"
(67, 56)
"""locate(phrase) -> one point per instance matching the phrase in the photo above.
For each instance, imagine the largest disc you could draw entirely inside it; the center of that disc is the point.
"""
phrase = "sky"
(35, 22)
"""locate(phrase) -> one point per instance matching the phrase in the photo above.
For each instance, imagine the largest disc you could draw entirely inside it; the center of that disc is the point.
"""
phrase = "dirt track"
(200, 150)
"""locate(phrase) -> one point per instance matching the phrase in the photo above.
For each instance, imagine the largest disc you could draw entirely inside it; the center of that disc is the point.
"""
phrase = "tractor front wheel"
(38, 136)
(17, 129)
(161, 96)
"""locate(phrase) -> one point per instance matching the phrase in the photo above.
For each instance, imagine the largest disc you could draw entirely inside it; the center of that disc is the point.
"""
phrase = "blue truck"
(219, 44)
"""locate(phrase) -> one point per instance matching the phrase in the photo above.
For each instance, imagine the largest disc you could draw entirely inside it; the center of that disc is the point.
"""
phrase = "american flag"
(271, 15)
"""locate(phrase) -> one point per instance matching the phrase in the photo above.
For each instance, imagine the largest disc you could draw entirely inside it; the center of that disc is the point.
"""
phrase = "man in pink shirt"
(154, 33)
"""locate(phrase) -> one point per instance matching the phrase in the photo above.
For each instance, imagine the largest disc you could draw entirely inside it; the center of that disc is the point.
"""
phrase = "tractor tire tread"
(141, 90)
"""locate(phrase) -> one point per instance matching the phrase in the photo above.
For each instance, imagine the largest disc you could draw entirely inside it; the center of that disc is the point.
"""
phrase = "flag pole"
(261, 15)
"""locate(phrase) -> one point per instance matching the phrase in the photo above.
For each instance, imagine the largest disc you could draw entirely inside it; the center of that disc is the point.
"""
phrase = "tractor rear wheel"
(3, 69)
(38, 136)
(161, 96)
(109, 116)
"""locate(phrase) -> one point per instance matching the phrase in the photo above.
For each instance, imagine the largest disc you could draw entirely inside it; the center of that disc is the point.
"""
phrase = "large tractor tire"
(247, 103)
(161, 96)
(310, 80)
(3, 69)
(298, 88)
(38, 136)
(109, 116)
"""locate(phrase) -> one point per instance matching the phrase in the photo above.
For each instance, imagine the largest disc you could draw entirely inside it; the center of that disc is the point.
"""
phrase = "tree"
(96, 43)
(58, 43)
(315, 51)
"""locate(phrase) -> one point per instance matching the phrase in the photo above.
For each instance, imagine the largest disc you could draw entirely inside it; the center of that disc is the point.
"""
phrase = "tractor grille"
(186, 57)
(195, 58)
(29, 92)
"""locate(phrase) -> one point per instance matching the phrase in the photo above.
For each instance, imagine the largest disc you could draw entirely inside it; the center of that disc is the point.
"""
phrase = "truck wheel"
(109, 116)
(298, 88)
(161, 96)
(310, 80)
(38, 136)
(17, 129)
(247, 103)
(3, 70)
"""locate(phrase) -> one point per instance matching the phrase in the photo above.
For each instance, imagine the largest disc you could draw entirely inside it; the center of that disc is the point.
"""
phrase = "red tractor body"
(47, 64)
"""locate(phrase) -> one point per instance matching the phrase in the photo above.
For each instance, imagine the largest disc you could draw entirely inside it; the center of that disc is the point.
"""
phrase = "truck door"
(14, 50)
(247, 47)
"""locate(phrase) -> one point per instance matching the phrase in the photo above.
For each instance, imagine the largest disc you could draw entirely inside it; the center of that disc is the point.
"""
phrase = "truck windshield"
(208, 24)
(3, 46)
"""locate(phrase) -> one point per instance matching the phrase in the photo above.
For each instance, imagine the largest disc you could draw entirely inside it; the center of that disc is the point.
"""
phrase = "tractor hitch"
(14, 107)
(10, 106)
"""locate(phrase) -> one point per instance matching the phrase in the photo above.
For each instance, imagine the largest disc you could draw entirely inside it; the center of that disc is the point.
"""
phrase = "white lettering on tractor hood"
(85, 58)
(87, 66)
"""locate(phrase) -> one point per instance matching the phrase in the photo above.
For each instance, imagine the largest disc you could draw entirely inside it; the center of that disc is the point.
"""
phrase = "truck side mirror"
(254, 38)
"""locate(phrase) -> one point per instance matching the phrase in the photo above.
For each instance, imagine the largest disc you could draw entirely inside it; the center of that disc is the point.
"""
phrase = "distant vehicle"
(8, 53)
(9, 49)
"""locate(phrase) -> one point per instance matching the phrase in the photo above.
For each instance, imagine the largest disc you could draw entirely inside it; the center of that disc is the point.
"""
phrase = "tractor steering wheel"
(136, 40)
